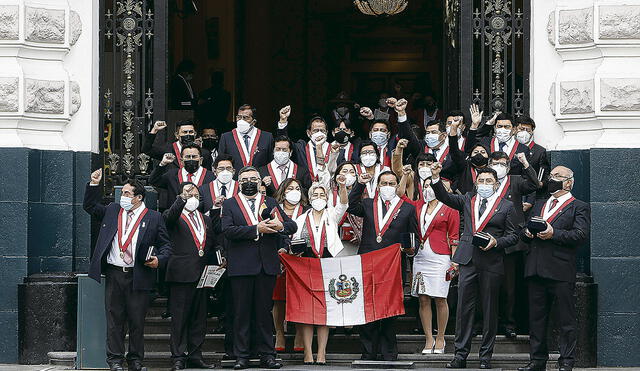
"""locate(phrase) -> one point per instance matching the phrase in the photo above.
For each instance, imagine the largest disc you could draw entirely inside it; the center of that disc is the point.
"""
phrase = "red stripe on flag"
(305, 290)
(382, 282)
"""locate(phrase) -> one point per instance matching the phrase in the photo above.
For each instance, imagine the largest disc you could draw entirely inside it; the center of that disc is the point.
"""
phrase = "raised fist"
(285, 112)
(157, 126)
(366, 113)
(167, 159)
(401, 107)
(96, 176)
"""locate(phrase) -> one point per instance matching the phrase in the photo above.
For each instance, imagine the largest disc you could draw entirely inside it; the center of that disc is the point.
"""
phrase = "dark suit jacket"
(206, 195)
(539, 160)
(185, 265)
(500, 226)
(301, 173)
(152, 232)
(245, 255)
(156, 145)
(521, 185)
(263, 152)
(404, 222)
(556, 258)
(180, 94)
(167, 178)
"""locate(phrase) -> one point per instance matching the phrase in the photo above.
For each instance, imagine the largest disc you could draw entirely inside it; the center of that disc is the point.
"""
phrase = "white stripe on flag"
(351, 311)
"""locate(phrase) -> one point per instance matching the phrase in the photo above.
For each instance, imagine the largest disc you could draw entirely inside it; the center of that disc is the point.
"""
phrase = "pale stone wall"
(49, 74)
(585, 73)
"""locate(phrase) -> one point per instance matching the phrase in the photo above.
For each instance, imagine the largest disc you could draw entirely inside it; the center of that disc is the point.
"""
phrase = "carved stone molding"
(9, 89)
(76, 26)
(620, 22)
(551, 28)
(44, 96)
(552, 98)
(576, 97)
(45, 25)
(75, 100)
(575, 26)
(620, 94)
(9, 22)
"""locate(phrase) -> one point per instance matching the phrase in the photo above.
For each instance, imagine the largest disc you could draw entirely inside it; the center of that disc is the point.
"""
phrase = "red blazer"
(444, 230)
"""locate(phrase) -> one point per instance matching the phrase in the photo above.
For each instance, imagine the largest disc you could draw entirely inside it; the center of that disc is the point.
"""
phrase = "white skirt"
(429, 271)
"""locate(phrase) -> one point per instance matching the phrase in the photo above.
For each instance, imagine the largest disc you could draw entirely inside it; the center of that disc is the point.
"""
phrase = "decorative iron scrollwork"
(451, 20)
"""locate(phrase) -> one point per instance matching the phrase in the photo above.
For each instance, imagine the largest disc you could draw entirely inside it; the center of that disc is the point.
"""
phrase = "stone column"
(586, 102)
(48, 129)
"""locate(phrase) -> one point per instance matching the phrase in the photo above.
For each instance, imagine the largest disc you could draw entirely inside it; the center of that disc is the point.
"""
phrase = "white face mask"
(368, 160)
(387, 193)
(379, 138)
(429, 194)
(523, 137)
(424, 172)
(319, 204)
(281, 157)
(350, 180)
(225, 176)
(432, 140)
(501, 170)
(125, 203)
(242, 126)
(293, 196)
(192, 204)
(485, 190)
(319, 137)
(503, 134)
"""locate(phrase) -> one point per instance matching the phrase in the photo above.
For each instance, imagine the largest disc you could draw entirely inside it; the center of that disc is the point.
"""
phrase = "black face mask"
(187, 139)
(191, 166)
(554, 186)
(249, 188)
(341, 137)
(210, 143)
(479, 160)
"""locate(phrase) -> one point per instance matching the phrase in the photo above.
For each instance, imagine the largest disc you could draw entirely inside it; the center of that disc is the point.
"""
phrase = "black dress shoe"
(270, 363)
(198, 363)
(136, 366)
(241, 364)
(116, 367)
(565, 367)
(534, 366)
(165, 315)
(228, 357)
(485, 365)
(177, 365)
(510, 333)
(457, 363)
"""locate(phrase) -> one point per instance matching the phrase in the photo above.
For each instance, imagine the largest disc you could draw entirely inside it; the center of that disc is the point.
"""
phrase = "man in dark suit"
(397, 218)
(182, 94)
(193, 237)
(525, 126)
(248, 145)
(128, 231)
(481, 268)
(171, 178)
(156, 146)
(252, 236)
(349, 145)
(550, 269)
(282, 167)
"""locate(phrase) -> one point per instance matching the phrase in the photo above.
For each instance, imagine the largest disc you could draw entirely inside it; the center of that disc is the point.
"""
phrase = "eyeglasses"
(363, 153)
(560, 177)
(222, 168)
(191, 157)
(253, 179)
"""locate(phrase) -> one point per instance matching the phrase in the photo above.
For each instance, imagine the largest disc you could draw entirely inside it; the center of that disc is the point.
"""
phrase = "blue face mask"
(432, 140)
(125, 203)
(485, 190)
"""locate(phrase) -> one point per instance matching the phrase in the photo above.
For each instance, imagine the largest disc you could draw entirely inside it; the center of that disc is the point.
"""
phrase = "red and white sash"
(382, 222)
(197, 177)
(348, 151)
(177, 150)
(198, 233)
(291, 173)
(317, 242)
(494, 145)
(426, 220)
(252, 218)
(371, 186)
(461, 141)
(442, 153)
(125, 237)
(311, 160)
(557, 210)
(480, 221)
(214, 191)
(297, 211)
(245, 153)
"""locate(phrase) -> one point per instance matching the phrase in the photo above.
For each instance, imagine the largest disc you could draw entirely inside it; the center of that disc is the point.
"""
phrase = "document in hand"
(210, 276)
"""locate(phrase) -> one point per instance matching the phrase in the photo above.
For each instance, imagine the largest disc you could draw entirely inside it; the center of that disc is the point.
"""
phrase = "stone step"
(339, 343)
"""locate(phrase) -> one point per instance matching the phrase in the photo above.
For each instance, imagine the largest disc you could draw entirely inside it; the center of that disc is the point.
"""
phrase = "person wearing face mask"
(293, 200)
(282, 167)
(387, 218)
(248, 145)
(481, 268)
(348, 144)
(210, 142)
(466, 166)
(439, 227)
(314, 153)
(550, 269)
(424, 110)
(319, 226)
(370, 166)
(252, 225)
(503, 139)
(129, 230)
(157, 145)
(525, 126)
(380, 135)
(350, 226)
(194, 242)
(222, 187)
(170, 179)
(512, 188)
(383, 111)
(457, 117)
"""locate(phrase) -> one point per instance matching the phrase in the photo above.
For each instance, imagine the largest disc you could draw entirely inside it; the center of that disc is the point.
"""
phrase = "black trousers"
(188, 308)
(124, 306)
(379, 337)
(546, 295)
(474, 284)
(252, 300)
(508, 291)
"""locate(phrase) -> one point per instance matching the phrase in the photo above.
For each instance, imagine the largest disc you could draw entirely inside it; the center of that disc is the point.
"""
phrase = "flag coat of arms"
(345, 291)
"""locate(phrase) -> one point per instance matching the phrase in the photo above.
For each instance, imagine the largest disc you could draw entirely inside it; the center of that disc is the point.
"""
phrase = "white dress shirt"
(114, 254)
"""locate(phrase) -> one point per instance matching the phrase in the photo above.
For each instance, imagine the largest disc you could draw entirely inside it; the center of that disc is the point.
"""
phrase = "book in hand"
(150, 253)
(298, 246)
(536, 225)
(481, 239)
(210, 276)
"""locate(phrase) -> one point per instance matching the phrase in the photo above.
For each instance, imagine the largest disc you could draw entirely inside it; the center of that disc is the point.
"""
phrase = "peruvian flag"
(346, 291)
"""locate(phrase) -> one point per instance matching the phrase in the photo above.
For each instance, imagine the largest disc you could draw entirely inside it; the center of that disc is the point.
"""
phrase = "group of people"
(467, 191)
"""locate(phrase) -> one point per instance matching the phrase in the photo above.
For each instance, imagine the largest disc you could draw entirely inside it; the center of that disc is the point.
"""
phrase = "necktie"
(483, 206)
(252, 204)
(385, 208)
(341, 157)
(554, 203)
(435, 152)
(223, 190)
(246, 142)
(194, 221)
(128, 257)
(189, 177)
(502, 145)
(283, 170)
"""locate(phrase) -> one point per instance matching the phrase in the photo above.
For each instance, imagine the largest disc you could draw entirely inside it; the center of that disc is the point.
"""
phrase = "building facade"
(581, 84)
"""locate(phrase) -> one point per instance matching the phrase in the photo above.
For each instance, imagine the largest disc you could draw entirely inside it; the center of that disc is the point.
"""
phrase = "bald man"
(550, 269)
